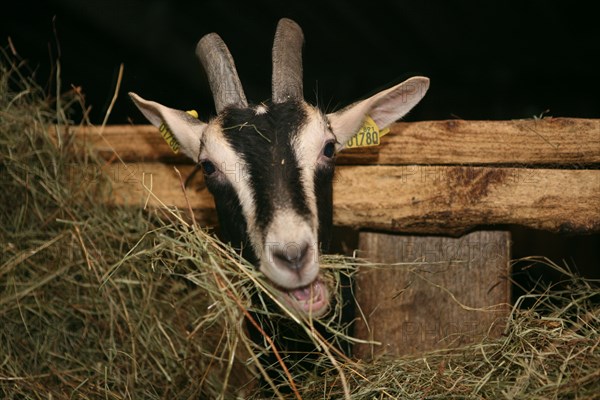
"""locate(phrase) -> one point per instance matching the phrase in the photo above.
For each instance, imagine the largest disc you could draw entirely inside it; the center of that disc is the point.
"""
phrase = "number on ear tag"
(368, 135)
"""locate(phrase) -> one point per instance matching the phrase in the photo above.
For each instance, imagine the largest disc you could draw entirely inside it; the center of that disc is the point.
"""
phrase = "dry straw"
(99, 301)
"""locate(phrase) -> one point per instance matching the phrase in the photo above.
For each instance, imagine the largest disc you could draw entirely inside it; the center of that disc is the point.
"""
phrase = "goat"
(279, 209)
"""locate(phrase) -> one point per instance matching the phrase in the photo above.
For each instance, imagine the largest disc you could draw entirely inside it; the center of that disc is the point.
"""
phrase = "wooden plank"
(416, 199)
(132, 143)
(558, 141)
(452, 200)
(449, 291)
(158, 185)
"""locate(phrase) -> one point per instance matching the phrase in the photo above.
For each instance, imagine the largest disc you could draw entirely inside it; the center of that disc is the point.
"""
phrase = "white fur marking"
(260, 109)
(233, 168)
(307, 148)
(281, 237)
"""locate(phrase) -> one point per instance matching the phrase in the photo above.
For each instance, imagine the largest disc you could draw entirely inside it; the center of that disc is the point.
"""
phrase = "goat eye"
(329, 150)
(208, 167)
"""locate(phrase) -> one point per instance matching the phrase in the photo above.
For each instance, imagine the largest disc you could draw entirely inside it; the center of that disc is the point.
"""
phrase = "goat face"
(270, 166)
(266, 166)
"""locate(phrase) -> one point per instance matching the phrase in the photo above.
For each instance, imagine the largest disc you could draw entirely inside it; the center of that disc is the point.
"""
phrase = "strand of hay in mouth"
(99, 301)
(230, 283)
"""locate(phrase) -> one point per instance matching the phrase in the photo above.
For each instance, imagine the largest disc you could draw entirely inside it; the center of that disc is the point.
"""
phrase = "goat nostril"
(292, 256)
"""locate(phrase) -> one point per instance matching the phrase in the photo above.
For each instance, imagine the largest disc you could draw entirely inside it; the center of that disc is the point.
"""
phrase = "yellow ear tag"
(168, 135)
(368, 135)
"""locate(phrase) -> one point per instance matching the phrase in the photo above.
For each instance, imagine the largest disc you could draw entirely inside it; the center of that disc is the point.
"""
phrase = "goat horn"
(222, 76)
(287, 61)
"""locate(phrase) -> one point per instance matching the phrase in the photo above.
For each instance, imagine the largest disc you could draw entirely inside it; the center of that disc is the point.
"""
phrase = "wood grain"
(559, 141)
(446, 292)
(556, 141)
(416, 199)
(452, 200)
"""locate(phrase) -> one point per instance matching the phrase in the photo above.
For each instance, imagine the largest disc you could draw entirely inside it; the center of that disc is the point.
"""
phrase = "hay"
(550, 350)
(81, 314)
(100, 301)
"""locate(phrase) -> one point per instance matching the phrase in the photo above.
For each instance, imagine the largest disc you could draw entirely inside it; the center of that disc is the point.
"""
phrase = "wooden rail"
(558, 141)
(426, 177)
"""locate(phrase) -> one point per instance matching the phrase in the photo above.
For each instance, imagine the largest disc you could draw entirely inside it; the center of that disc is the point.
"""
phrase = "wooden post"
(445, 293)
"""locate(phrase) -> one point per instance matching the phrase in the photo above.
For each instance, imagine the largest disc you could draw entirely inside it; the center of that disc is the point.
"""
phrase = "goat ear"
(187, 130)
(384, 108)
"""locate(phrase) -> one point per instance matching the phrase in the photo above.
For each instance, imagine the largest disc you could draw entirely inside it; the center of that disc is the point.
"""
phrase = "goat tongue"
(310, 300)
(304, 293)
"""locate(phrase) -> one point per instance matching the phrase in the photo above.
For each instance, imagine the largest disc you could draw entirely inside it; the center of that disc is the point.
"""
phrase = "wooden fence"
(442, 177)
(436, 178)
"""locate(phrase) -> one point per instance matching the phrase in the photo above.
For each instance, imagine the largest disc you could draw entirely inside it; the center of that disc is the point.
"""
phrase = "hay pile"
(550, 350)
(99, 301)
(89, 308)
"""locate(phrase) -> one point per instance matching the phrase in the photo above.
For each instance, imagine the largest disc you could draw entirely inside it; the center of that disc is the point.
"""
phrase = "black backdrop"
(487, 60)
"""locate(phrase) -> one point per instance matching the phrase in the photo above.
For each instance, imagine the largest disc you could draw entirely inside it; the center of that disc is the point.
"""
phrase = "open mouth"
(310, 300)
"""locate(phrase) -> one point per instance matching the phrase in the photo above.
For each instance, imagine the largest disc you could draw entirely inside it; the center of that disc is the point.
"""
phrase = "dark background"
(486, 60)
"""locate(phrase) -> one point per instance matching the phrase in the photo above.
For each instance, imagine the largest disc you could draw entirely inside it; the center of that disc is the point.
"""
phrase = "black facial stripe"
(324, 193)
(264, 141)
(232, 221)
